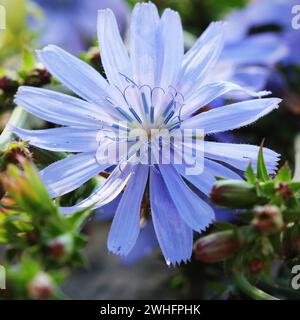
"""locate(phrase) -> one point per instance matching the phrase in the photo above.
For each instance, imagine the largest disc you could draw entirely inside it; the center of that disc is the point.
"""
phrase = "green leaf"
(284, 174)
(295, 186)
(262, 172)
(77, 219)
(250, 175)
(267, 189)
(28, 60)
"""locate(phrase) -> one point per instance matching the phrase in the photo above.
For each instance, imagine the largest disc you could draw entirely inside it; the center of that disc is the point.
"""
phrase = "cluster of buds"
(268, 228)
(34, 227)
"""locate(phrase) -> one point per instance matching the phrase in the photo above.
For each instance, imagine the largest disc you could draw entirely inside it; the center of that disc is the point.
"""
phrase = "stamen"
(124, 114)
(152, 114)
(128, 79)
(118, 127)
(135, 115)
(169, 107)
(146, 108)
(170, 115)
(174, 126)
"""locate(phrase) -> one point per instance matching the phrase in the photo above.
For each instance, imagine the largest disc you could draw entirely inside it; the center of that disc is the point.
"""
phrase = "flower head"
(158, 90)
(273, 21)
(71, 23)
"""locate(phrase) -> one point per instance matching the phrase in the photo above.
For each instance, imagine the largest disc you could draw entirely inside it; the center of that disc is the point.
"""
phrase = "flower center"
(150, 125)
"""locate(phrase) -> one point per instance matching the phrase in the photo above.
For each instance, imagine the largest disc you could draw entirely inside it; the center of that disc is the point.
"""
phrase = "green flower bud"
(234, 194)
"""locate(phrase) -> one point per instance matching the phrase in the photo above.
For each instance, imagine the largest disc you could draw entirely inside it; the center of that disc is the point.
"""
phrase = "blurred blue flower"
(157, 87)
(71, 23)
(249, 59)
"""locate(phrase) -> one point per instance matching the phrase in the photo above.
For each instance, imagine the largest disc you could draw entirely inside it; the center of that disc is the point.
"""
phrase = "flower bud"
(268, 219)
(61, 247)
(41, 287)
(234, 194)
(7, 84)
(217, 246)
(38, 78)
(256, 266)
(284, 190)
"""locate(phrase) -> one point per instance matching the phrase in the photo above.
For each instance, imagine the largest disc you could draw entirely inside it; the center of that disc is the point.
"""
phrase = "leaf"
(250, 175)
(267, 189)
(284, 174)
(295, 186)
(77, 219)
(28, 60)
(262, 172)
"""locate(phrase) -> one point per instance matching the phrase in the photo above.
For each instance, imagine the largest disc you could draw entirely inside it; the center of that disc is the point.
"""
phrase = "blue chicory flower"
(71, 23)
(275, 40)
(157, 87)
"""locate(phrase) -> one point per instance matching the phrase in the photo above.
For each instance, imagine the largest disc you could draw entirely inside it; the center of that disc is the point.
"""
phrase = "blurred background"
(262, 52)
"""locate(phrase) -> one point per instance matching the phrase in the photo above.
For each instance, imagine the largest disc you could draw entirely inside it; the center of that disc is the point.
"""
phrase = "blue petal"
(240, 155)
(174, 236)
(70, 173)
(108, 211)
(211, 91)
(113, 52)
(60, 139)
(145, 244)
(125, 228)
(60, 108)
(266, 48)
(250, 77)
(196, 213)
(201, 58)
(144, 44)
(231, 116)
(106, 192)
(172, 47)
(205, 181)
(75, 74)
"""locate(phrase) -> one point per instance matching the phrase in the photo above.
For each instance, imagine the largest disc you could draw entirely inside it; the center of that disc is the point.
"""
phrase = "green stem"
(18, 118)
(297, 159)
(248, 289)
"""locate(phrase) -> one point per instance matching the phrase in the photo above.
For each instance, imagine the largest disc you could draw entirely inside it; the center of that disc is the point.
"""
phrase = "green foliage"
(34, 229)
(268, 229)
